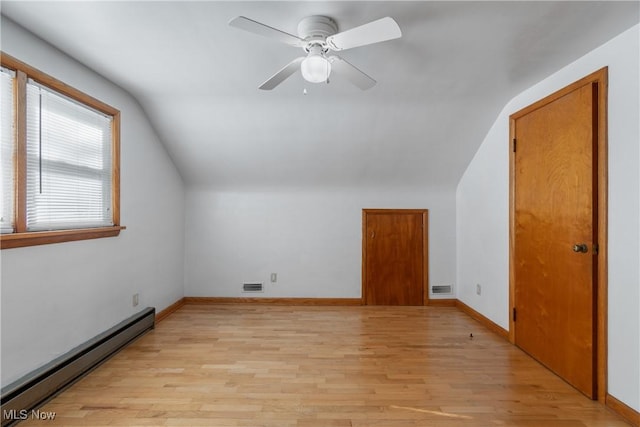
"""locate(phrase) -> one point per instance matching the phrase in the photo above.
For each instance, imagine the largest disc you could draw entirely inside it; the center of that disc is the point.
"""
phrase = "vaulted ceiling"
(440, 86)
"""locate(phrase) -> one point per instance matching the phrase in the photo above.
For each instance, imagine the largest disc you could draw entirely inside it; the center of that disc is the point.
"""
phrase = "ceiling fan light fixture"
(318, 35)
(315, 67)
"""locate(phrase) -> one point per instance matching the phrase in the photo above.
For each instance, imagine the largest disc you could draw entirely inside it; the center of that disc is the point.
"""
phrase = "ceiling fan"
(317, 35)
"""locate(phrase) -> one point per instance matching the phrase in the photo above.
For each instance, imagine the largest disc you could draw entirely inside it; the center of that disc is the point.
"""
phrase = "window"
(7, 141)
(60, 161)
(68, 163)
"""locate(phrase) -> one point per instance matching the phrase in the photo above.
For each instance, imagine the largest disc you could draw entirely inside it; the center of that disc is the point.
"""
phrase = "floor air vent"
(252, 287)
(441, 289)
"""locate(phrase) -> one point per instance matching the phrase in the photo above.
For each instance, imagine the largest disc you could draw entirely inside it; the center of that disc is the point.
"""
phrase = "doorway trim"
(600, 79)
(425, 248)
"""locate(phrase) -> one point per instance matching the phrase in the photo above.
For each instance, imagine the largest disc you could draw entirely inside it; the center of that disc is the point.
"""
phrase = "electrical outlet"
(478, 289)
(135, 300)
(274, 277)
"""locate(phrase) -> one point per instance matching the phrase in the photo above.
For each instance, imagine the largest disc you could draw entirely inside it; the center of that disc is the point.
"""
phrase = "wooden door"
(554, 234)
(394, 257)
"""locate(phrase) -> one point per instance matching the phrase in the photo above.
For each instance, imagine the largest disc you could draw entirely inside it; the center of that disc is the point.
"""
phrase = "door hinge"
(514, 145)
(514, 314)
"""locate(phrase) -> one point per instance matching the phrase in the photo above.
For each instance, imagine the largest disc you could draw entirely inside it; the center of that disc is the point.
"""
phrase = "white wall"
(55, 297)
(312, 240)
(482, 209)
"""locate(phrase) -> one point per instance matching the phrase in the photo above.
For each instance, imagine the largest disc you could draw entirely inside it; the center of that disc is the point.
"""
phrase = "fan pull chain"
(326, 67)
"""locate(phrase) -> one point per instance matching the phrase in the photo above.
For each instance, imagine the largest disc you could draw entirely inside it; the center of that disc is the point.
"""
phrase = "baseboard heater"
(22, 396)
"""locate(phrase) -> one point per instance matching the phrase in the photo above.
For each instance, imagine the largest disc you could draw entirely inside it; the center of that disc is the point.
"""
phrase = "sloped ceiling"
(439, 88)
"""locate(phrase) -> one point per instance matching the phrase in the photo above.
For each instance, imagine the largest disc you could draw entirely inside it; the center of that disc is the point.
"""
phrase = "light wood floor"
(250, 365)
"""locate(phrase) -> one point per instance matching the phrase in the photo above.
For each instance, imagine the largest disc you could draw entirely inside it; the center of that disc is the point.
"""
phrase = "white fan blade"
(374, 32)
(355, 76)
(264, 30)
(283, 74)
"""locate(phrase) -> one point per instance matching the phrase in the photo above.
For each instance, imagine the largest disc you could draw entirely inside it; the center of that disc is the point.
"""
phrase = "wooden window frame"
(21, 237)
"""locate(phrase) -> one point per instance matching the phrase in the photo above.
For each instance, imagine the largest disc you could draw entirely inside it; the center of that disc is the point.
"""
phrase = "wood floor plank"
(308, 366)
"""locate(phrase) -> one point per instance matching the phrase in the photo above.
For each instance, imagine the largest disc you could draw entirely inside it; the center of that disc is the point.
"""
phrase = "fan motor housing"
(317, 27)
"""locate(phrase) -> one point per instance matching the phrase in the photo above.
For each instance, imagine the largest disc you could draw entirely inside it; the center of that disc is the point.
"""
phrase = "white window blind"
(7, 132)
(68, 163)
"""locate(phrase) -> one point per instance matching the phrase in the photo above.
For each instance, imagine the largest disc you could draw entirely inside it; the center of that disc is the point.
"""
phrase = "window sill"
(33, 238)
